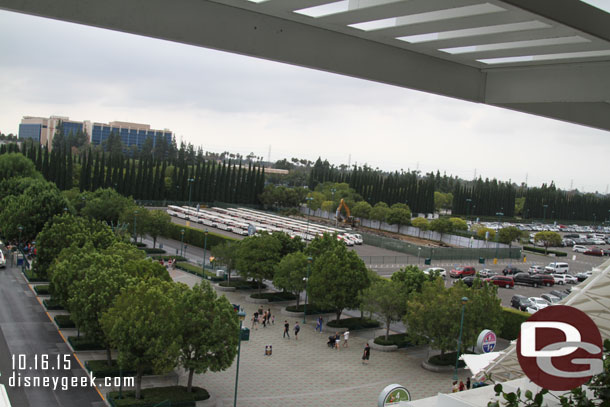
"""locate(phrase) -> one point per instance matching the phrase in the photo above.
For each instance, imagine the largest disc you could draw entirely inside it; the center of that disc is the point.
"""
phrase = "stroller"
(331, 341)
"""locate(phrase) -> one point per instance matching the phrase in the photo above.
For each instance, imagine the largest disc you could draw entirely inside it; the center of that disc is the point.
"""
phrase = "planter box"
(436, 368)
(257, 300)
(221, 288)
(383, 348)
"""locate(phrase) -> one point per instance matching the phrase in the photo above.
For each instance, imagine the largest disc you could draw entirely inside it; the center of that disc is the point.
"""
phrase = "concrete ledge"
(435, 368)
(292, 314)
(221, 288)
(383, 348)
(256, 300)
(212, 401)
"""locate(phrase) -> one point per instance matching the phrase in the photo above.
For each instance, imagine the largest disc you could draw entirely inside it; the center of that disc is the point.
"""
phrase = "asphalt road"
(26, 333)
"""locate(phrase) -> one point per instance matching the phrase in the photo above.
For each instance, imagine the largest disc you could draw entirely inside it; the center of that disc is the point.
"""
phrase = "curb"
(436, 368)
(221, 288)
(384, 348)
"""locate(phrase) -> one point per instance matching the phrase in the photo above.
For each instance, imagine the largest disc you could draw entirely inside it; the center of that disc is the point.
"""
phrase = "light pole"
(205, 246)
(181, 242)
(309, 198)
(309, 259)
(457, 356)
(498, 214)
(19, 242)
(135, 227)
(242, 316)
(418, 253)
(190, 180)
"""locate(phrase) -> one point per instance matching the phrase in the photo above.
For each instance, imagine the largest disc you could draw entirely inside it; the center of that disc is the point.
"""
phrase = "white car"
(537, 304)
(536, 269)
(570, 279)
(441, 271)
(553, 299)
(560, 278)
(2, 259)
(597, 240)
(579, 248)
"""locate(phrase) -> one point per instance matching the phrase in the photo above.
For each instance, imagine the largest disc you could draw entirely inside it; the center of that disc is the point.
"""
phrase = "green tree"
(420, 223)
(442, 200)
(548, 239)
(290, 274)
(388, 299)
(380, 211)
(362, 210)
(519, 204)
(319, 245)
(105, 205)
(329, 206)
(482, 231)
(158, 223)
(441, 225)
(257, 257)
(68, 268)
(144, 326)
(226, 253)
(209, 328)
(399, 214)
(458, 224)
(17, 165)
(337, 279)
(509, 234)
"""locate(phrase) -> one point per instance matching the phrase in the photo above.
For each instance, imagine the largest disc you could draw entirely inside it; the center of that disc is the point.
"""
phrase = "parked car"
(485, 273)
(535, 280)
(579, 248)
(2, 259)
(536, 269)
(545, 279)
(557, 268)
(537, 304)
(583, 276)
(438, 270)
(560, 294)
(571, 279)
(560, 279)
(597, 240)
(520, 302)
(567, 242)
(460, 272)
(550, 298)
(468, 280)
(502, 281)
(509, 270)
(594, 251)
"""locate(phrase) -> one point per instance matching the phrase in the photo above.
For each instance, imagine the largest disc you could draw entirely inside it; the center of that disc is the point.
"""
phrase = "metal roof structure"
(544, 57)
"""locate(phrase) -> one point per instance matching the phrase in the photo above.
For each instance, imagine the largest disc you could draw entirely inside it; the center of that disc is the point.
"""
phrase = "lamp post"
(135, 227)
(205, 246)
(309, 259)
(418, 253)
(309, 198)
(457, 356)
(190, 180)
(242, 316)
(181, 242)
(498, 214)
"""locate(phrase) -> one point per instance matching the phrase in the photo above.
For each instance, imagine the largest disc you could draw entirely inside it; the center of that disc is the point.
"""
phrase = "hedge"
(241, 284)
(312, 309)
(52, 305)
(513, 319)
(100, 368)
(83, 343)
(193, 269)
(64, 321)
(275, 296)
(541, 250)
(150, 250)
(354, 323)
(166, 258)
(448, 359)
(42, 289)
(176, 395)
(196, 237)
(400, 340)
(141, 244)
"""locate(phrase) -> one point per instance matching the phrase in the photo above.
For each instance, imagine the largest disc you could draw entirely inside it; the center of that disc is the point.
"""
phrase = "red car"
(460, 272)
(502, 281)
(594, 251)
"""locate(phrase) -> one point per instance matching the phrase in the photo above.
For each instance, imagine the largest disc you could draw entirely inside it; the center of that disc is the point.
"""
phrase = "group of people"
(461, 386)
(335, 340)
(263, 317)
(170, 264)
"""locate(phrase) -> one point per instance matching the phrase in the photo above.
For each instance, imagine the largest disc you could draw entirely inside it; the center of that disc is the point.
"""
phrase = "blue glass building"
(129, 136)
(30, 131)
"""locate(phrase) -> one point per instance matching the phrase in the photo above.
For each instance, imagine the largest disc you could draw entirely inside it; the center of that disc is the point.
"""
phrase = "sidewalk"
(306, 372)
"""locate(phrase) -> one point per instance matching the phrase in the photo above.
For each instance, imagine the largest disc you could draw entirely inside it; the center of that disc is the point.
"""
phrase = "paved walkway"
(307, 373)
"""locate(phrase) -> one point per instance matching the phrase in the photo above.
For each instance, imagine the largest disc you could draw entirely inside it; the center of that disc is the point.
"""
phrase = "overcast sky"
(227, 102)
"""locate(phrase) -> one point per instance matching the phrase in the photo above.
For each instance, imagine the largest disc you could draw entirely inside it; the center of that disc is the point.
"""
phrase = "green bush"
(100, 368)
(64, 321)
(141, 244)
(241, 284)
(193, 269)
(177, 396)
(513, 319)
(166, 258)
(196, 237)
(52, 305)
(83, 343)
(150, 250)
(312, 309)
(557, 253)
(277, 296)
(33, 277)
(400, 340)
(42, 289)
(353, 324)
(448, 359)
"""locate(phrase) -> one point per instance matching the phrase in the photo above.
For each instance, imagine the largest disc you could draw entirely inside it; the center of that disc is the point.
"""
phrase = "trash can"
(19, 259)
(481, 260)
(245, 334)
(427, 261)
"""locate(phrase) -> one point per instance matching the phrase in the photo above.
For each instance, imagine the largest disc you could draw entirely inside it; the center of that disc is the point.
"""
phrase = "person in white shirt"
(345, 338)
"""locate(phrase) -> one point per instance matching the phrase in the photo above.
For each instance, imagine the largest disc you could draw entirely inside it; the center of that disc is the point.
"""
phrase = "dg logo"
(560, 348)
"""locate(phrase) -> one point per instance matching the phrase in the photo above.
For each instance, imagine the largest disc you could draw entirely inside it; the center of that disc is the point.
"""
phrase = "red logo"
(560, 348)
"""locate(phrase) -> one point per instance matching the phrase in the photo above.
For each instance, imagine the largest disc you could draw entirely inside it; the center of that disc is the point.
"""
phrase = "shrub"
(42, 289)
(83, 343)
(241, 284)
(354, 323)
(52, 305)
(33, 277)
(150, 250)
(400, 340)
(193, 269)
(141, 244)
(448, 359)
(512, 323)
(541, 250)
(100, 368)
(176, 395)
(64, 321)
(195, 237)
(312, 309)
(166, 258)
(276, 296)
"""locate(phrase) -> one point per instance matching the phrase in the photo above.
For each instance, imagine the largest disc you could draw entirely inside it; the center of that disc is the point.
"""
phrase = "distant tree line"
(484, 198)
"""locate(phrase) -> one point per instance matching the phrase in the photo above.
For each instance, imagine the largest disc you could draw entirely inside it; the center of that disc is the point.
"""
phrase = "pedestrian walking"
(367, 354)
(319, 324)
(462, 387)
(272, 319)
(286, 329)
(454, 387)
(468, 383)
(297, 328)
(265, 319)
(337, 340)
(345, 338)
(255, 321)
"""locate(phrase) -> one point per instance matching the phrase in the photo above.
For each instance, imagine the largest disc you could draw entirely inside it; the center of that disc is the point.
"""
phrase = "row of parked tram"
(244, 221)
